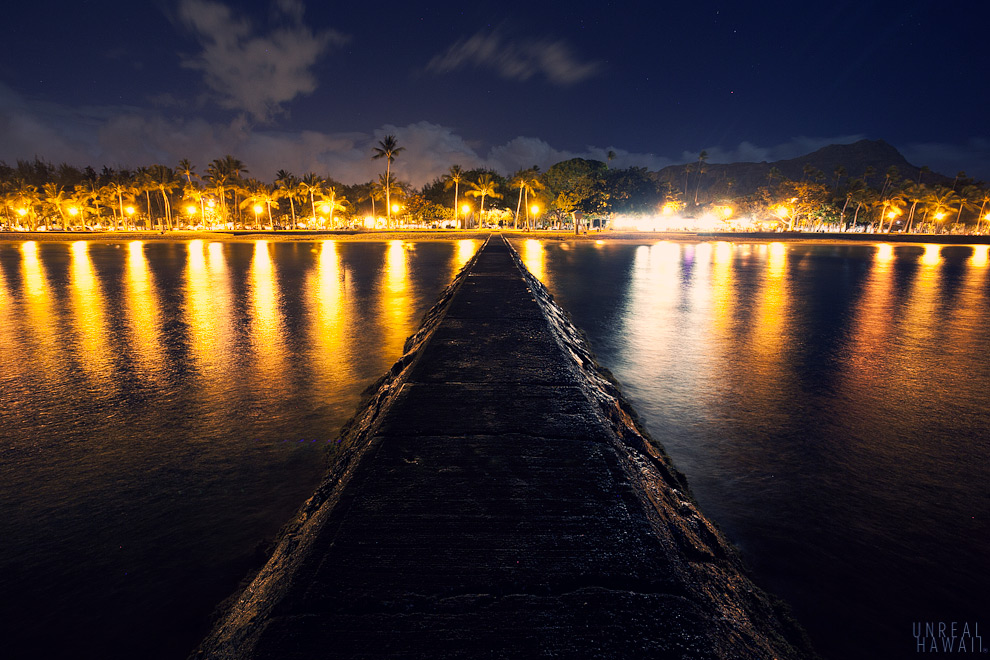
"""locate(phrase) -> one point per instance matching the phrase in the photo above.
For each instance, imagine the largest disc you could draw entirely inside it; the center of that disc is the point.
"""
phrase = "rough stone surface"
(494, 498)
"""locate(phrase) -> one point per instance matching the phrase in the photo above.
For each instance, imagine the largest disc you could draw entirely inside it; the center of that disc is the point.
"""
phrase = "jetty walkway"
(494, 499)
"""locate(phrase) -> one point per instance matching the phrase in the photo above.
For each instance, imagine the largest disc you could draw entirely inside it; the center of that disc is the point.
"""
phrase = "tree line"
(37, 194)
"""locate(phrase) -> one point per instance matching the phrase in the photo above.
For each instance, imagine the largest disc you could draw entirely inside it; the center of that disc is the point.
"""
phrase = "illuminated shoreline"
(450, 235)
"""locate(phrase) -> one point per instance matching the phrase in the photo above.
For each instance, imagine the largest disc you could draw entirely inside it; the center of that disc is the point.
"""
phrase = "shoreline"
(457, 234)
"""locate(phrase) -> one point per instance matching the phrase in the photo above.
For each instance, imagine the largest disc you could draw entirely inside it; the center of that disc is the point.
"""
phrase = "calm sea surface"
(166, 407)
(830, 405)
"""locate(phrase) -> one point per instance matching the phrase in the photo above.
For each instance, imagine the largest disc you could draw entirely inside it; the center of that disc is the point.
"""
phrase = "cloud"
(120, 136)
(515, 60)
(250, 72)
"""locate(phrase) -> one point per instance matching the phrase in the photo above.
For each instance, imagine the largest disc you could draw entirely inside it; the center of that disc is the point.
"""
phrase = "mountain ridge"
(745, 178)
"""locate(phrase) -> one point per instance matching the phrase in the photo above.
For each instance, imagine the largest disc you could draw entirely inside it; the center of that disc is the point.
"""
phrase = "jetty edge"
(495, 497)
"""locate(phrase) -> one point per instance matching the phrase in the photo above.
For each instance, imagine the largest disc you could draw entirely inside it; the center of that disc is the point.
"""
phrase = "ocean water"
(166, 407)
(829, 405)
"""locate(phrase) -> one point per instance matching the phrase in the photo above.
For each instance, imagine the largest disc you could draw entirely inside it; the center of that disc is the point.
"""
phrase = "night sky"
(311, 86)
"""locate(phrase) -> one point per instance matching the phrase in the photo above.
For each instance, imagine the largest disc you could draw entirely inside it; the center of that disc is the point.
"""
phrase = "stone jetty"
(494, 497)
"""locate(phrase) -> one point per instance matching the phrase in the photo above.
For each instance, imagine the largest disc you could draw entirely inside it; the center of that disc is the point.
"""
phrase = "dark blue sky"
(311, 86)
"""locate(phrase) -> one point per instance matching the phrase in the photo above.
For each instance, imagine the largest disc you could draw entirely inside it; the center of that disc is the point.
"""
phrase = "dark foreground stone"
(494, 498)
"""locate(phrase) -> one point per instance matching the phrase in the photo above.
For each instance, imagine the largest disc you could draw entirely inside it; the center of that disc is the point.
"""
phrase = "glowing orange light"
(465, 209)
(129, 210)
(535, 210)
(73, 211)
(191, 210)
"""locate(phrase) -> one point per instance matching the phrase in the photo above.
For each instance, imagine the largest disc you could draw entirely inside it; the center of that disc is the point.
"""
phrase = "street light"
(257, 211)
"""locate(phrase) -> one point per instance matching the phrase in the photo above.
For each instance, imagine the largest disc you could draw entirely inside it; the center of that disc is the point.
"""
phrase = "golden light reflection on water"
(932, 255)
(395, 303)
(41, 317)
(465, 250)
(267, 330)
(89, 316)
(534, 257)
(884, 253)
(874, 317)
(981, 256)
(327, 287)
(654, 291)
(11, 360)
(143, 311)
(723, 289)
(208, 316)
(770, 327)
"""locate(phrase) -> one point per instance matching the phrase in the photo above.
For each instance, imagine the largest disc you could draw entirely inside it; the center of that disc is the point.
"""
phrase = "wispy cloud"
(252, 72)
(132, 137)
(516, 60)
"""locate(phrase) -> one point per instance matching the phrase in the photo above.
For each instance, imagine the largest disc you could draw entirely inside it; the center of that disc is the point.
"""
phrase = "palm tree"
(219, 178)
(388, 187)
(839, 172)
(388, 148)
(311, 186)
(26, 200)
(453, 177)
(853, 191)
(609, 156)
(236, 168)
(259, 194)
(197, 195)
(143, 183)
(163, 180)
(533, 185)
(939, 202)
(90, 192)
(774, 172)
(890, 179)
(120, 187)
(187, 169)
(702, 159)
(334, 202)
(982, 196)
(55, 200)
(485, 187)
(518, 180)
(914, 193)
(288, 188)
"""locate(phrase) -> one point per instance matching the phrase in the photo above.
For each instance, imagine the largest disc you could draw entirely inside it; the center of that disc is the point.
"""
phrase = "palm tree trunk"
(456, 210)
(526, 190)
(515, 221)
(388, 190)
